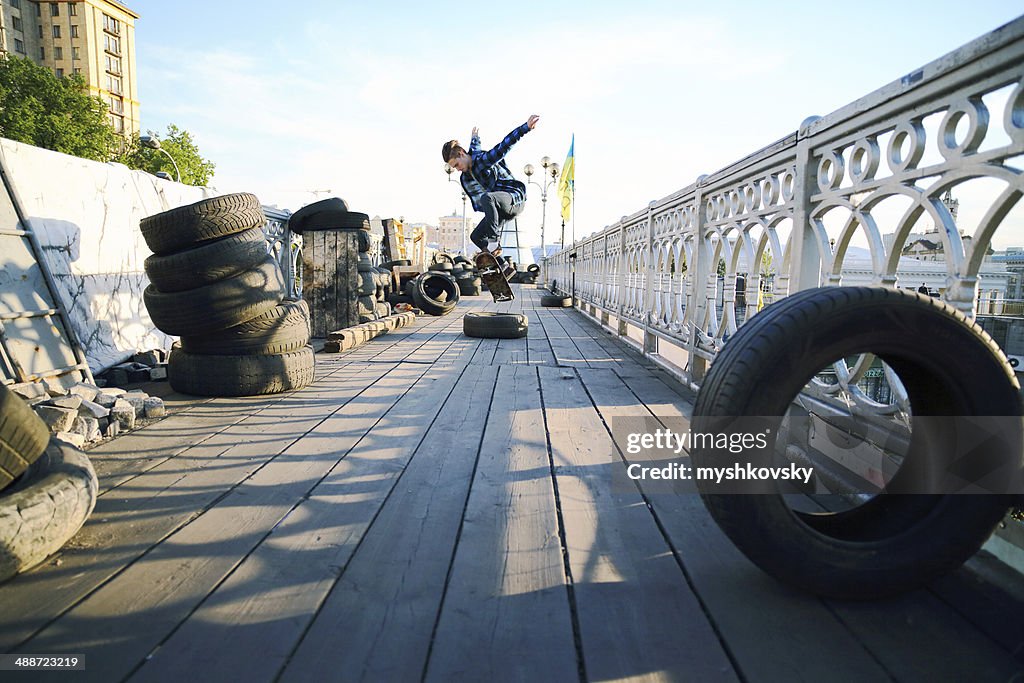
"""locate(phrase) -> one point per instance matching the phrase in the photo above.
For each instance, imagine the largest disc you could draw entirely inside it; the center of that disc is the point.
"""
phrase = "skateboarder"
(490, 185)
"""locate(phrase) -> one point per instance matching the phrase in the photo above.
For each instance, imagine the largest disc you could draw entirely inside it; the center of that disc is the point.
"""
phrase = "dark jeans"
(499, 208)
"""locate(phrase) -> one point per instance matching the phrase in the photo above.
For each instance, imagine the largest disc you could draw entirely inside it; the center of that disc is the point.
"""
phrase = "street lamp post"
(449, 170)
(153, 143)
(550, 168)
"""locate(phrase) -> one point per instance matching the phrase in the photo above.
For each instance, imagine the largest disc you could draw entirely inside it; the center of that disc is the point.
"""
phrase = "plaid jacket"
(489, 173)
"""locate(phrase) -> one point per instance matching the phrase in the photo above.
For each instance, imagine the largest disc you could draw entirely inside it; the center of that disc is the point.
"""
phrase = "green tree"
(195, 169)
(39, 108)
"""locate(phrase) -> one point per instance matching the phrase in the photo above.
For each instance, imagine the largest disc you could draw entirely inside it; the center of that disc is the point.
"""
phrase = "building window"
(16, 4)
(42, 54)
(112, 44)
(74, 30)
(116, 105)
(60, 73)
(19, 45)
(40, 30)
(117, 122)
(58, 52)
(78, 69)
(56, 31)
(39, 10)
(54, 9)
(17, 24)
(73, 9)
(111, 24)
(76, 53)
(114, 84)
(113, 64)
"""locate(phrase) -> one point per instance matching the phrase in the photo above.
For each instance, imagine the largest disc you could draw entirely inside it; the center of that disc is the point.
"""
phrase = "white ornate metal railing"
(785, 217)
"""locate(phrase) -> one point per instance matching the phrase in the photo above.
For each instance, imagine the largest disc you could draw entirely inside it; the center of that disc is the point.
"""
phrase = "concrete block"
(57, 419)
(29, 390)
(76, 440)
(112, 429)
(158, 373)
(71, 402)
(154, 407)
(92, 409)
(106, 400)
(123, 413)
(150, 358)
(117, 377)
(86, 391)
(114, 391)
(138, 403)
(88, 427)
(53, 386)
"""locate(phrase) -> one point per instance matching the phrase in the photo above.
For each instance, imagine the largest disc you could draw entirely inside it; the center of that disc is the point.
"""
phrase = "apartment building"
(94, 38)
(449, 233)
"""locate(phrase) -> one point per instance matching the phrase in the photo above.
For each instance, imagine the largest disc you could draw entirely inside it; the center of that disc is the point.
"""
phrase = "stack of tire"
(374, 283)
(214, 285)
(466, 277)
(47, 488)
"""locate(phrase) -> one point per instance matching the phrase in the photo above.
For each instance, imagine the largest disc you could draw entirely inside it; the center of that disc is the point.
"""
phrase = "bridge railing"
(687, 270)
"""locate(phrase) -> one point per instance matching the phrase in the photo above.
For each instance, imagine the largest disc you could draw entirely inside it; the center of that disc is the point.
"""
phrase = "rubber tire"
(533, 268)
(171, 231)
(893, 543)
(207, 262)
(218, 305)
(45, 507)
(399, 262)
(240, 375)
(395, 299)
(495, 325)
(366, 306)
(367, 284)
(555, 301)
(462, 259)
(365, 265)
(331, 204)
(444, 257)
(23, 437)
(469, 286)
(444, 267)
(331, 220)
(426, 289)
(282, 329)
(363, 240)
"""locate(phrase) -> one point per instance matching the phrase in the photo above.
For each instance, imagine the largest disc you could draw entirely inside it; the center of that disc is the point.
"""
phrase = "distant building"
(449, 234)
(94, 38)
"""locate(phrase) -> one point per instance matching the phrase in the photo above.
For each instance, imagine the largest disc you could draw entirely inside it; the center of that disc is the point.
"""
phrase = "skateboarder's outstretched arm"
(498, 152)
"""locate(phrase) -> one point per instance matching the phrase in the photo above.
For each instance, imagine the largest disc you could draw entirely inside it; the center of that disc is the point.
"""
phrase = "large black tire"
(333, 205)
(495, 325)
(282, 329)
(240, 375)
(444, 257)
(441, 267)
(331, 220)
(364, 265)
(218, 305)
(555, 301)
(894, 542)
(207, 262)
(45, 507)
(533, 268)
(462, 259)
(363, 240)
(367, 283)
(469, 286)
(23, 437)
(399, 262)
(173, 230)
(435, 293)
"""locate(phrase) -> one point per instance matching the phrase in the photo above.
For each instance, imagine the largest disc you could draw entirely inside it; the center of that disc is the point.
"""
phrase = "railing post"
(698, 366)
(620, 286)
(805, 262)
(650, 339)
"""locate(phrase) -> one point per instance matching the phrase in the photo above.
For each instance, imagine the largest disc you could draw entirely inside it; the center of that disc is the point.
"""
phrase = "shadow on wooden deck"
(441, 508)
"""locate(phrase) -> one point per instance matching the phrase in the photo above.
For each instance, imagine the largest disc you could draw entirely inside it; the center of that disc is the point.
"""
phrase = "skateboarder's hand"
(476, 131)
(532, 121)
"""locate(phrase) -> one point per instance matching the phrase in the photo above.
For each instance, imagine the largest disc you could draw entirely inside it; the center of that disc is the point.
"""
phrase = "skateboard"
(492, 275)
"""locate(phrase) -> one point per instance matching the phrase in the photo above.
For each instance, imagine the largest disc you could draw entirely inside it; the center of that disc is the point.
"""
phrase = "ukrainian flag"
(566, 183)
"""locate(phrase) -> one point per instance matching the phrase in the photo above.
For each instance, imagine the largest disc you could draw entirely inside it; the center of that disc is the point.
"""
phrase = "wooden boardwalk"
(441, 508)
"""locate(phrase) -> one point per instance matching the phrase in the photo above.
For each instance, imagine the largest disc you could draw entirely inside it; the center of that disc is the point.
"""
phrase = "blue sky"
(357, 98)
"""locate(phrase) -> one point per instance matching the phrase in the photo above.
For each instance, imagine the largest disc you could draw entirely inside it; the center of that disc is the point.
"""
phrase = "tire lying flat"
(23, 436)
(495, 325)
(218, 305)
(282, 329)
(45, 508)
(240, 375)
(894, 542)
(174, 230)
(555, 301)
(207, 262)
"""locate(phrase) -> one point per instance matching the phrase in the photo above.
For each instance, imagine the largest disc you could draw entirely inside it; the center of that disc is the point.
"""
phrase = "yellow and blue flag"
(566, 183)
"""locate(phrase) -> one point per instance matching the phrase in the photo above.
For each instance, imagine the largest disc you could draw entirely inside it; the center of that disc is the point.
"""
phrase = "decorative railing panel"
(694, 266)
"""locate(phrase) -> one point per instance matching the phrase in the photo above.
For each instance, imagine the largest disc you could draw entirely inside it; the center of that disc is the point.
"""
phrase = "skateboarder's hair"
(450, 149)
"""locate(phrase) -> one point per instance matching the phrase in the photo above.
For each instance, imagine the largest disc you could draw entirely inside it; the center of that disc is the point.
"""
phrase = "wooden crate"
(330, 279)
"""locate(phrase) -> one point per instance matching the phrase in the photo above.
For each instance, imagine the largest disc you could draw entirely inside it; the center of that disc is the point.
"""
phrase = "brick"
(93, 410)
(29, 390)
(123, 413)
(71, 402)
(57, 419)
(86, 391)
(154, 407)
(138, 403)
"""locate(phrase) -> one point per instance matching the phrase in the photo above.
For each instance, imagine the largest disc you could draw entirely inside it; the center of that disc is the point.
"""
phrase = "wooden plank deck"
(436, 507)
